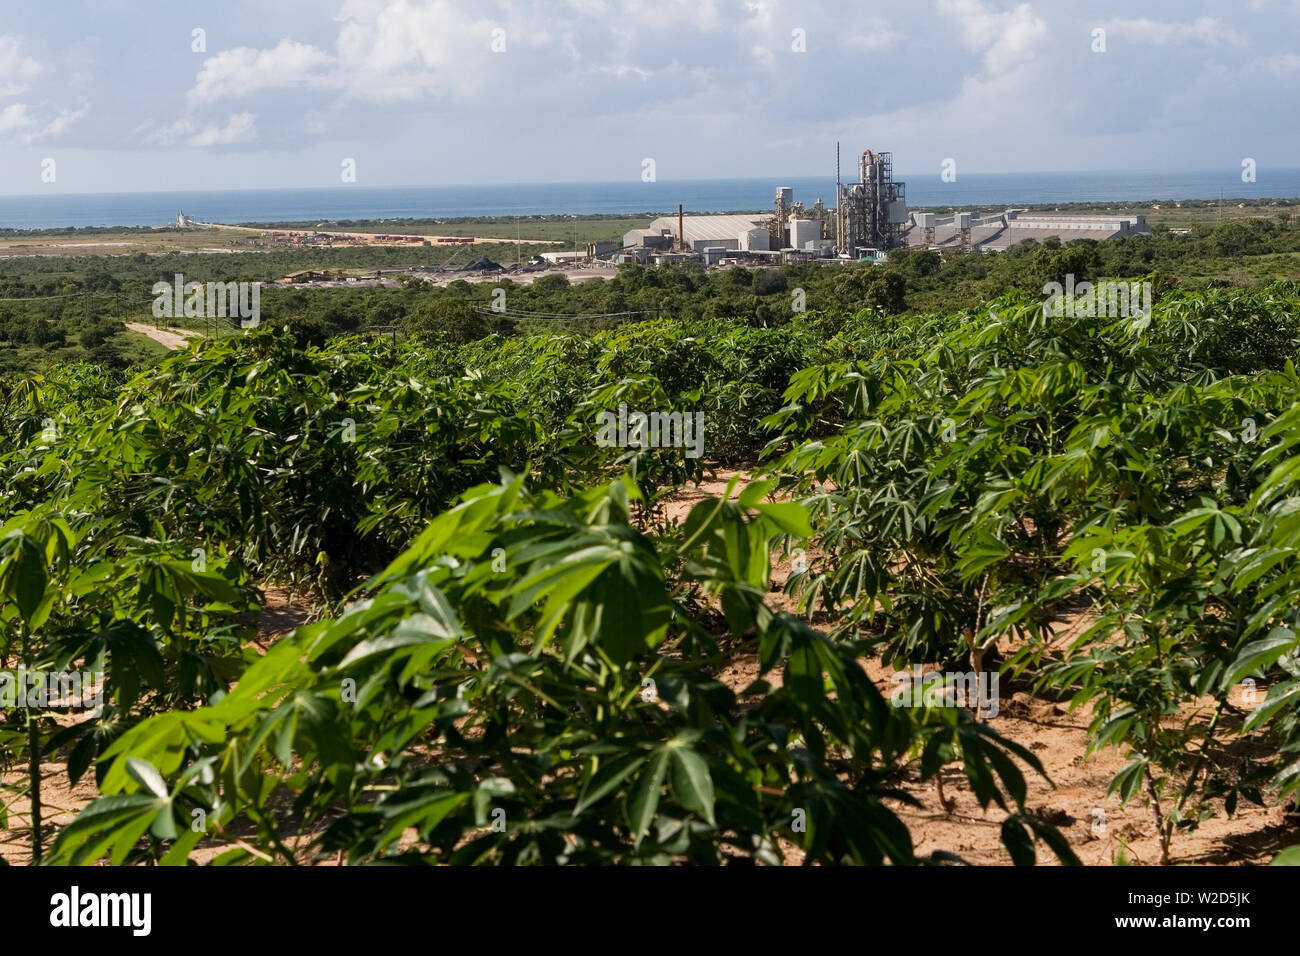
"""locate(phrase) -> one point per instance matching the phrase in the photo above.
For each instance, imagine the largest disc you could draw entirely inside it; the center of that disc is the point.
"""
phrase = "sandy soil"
(61, 801)
(1100, 831)
(169, 338)
(473, 240)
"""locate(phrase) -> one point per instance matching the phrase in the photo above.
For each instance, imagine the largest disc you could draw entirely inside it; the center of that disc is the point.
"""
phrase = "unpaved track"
(165, 337)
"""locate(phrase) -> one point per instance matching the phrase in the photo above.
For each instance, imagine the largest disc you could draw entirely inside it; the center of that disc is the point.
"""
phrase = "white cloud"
(15, 68)
(18, 123)
(881, 39)
(1281, 65)
(239, 128)
(14, 120)
(708, 87)
(243, 70)
(1008, 38)
(61, 122)
(1205, 31)
(406, 50)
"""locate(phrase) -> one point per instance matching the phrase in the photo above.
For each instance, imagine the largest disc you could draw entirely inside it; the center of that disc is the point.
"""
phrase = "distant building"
(1014, 226)
(708, 232)
(183, 220)
(676, 258)
(647, 239)
(557, 258)
(757, 239)
(636, 255)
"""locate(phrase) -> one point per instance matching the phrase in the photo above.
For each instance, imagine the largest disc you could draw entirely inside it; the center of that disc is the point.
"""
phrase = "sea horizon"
(358, 202)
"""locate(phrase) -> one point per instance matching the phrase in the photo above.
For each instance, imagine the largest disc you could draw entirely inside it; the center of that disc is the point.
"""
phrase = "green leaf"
(1288, 857)
(147, 775)
(692, 782)
(24, 576)
(1018, 841)
(1258, 655)
(609, 776)
(643, 798)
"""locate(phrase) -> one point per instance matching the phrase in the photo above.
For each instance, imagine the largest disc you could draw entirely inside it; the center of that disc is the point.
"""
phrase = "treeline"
(67, 309)
(1239, 253)
(56, 309)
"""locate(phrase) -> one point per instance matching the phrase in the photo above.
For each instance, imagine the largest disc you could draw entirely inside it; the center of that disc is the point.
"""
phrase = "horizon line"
(611, 182)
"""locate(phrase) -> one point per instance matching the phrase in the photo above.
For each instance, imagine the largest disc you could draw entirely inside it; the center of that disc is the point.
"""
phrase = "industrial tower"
(870, 214)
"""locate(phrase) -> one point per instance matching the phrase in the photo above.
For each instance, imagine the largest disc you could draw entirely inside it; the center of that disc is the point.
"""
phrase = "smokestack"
(681, 228)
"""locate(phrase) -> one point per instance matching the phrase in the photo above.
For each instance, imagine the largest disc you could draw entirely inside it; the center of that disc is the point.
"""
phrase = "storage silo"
(754, 240)
(804, 231)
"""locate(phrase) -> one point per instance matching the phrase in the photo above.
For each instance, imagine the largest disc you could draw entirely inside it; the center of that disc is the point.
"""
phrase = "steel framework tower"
(871, 213)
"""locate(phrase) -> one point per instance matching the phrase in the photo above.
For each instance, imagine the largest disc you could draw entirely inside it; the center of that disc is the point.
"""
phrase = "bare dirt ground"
(61, 800)
(168, 338)
(370, 236)
(1100, 830)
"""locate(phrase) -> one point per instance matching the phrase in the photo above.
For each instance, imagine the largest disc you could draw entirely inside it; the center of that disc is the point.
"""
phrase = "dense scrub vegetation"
(521, 657)
(60, 309)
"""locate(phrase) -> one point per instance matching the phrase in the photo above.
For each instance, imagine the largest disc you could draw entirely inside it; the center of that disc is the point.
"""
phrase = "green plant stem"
(1200, 758)
(33, 756)
(1161, 830)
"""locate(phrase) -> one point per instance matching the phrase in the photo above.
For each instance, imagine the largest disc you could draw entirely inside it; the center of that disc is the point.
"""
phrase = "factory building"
(707, 232)
(1003, 230)
(647, 239)
(869, 218)
(805, 234)
(561, 258)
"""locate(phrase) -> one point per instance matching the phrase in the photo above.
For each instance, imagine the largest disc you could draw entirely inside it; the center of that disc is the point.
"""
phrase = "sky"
(142, 95)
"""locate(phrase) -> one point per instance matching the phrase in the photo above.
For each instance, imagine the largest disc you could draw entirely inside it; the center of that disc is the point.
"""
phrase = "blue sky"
(281, 92)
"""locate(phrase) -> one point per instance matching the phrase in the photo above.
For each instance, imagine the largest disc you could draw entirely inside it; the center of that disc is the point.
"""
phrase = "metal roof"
(995, 237)
(704, 228)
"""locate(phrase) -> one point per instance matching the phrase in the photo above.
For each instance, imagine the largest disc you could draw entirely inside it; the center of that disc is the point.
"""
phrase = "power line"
(65, 295)
(517, 315)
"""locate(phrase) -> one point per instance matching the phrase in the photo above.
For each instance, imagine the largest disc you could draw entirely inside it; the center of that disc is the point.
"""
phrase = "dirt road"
(168, 338)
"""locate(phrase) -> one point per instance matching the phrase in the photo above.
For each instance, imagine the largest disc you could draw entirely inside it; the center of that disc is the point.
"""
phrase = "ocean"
(973, 190)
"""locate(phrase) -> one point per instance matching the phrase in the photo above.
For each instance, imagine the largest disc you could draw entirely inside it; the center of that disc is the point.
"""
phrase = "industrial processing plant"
(870, 218)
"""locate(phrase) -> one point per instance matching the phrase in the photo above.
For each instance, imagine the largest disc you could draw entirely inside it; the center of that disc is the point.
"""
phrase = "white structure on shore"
(183, 220)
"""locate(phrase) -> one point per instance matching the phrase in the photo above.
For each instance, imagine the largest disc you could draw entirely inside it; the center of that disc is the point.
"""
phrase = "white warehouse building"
(708, 232)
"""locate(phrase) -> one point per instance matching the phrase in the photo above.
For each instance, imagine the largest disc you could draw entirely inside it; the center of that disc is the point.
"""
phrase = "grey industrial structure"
(871, 213)
(870, 218)
(1003, 230)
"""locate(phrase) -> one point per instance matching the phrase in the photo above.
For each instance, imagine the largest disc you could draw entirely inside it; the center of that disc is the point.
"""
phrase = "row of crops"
(520, 657)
